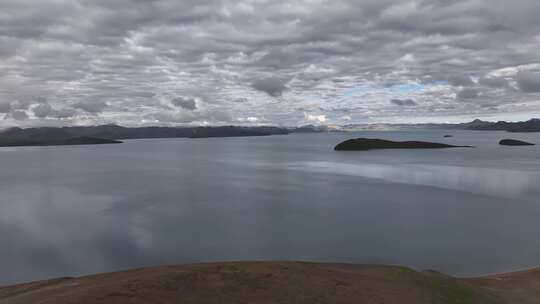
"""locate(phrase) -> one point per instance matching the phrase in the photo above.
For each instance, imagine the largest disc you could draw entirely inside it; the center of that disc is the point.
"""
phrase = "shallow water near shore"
(73, 210)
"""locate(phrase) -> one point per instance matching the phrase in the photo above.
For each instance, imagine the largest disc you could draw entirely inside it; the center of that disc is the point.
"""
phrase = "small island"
(5, 142)
(514, 142)
(364, 144)
(448, 135)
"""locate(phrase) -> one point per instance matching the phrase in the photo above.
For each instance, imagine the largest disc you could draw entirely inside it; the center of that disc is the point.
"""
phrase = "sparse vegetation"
(275, 282)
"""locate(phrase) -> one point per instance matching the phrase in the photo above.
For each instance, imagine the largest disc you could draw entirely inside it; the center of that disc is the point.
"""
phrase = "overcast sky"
(249, 62)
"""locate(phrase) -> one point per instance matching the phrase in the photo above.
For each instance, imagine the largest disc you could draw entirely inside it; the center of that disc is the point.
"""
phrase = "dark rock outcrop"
(363, 144)
(514, 142)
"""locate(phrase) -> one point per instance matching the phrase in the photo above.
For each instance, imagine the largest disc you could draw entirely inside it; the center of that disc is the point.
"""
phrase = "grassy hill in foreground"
(278, 282)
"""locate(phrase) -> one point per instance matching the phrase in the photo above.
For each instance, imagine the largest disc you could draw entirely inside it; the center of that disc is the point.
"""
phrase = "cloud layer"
(204, 62)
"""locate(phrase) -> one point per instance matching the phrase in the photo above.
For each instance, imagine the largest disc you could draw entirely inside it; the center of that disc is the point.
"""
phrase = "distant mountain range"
(110, 133)
(532, 125)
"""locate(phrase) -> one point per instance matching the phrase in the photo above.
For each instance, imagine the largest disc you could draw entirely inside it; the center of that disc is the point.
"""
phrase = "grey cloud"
(20, 105)
(133, 55)
(41, 100)
(185, 103)
(45, 110)
(528, 81)
(460, 80)
(279, 59)
(18, 115)
(493, 82)
(42, 110)
(168, 117)
(91, 106)
(403, 102)
(5, 107)
(240, 100)
(190, 117)
(272, 86)
(63, 113)
(467, 93)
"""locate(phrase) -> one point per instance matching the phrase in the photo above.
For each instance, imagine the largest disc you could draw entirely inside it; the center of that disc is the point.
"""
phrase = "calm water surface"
(75, 210)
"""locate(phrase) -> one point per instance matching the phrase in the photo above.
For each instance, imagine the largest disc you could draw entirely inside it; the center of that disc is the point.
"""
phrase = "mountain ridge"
(531, 125)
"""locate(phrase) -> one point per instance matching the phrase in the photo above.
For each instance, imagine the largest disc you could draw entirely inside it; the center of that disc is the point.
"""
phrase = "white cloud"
(248, 119)
(318, 119)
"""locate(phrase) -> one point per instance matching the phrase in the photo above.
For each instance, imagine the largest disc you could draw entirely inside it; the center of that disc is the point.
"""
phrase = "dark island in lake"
(364, 144)
(514, 142)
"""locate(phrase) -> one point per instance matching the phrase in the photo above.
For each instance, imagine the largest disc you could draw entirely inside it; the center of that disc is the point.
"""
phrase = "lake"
(73, 210)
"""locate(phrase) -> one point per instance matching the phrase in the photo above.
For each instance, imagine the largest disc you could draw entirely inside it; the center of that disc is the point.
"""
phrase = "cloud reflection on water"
(487, 181)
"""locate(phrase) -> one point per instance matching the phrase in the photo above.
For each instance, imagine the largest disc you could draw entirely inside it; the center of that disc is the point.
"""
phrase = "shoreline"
(279, 281)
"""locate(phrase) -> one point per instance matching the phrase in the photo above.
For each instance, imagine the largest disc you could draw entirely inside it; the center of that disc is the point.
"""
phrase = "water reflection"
(77, 210)
(497, 182)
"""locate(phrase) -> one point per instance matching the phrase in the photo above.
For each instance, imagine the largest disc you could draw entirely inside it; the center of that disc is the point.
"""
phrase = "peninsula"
(106, 134)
